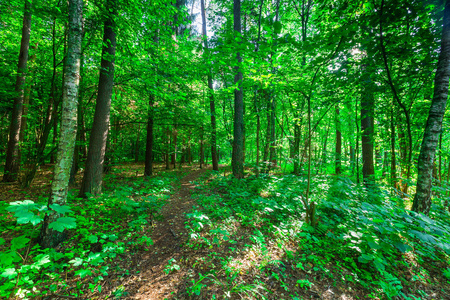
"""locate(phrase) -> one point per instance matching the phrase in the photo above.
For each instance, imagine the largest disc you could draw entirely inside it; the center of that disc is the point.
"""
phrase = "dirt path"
(169, 235)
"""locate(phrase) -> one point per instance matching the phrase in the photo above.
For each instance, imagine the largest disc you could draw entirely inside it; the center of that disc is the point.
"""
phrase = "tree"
(93, 174)
(50, 237)
(212, 105)
(12, 164)
(149, 141)
(338, 151)
(422, 199)
(367, 127)
(238, 133)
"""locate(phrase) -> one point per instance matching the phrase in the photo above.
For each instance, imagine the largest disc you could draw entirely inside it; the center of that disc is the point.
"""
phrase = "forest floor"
(209, 241)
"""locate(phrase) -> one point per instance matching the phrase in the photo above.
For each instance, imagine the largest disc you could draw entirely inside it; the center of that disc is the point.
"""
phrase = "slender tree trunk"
(93, 174)
(422, 199)
(12, 163)
(393, 158)
(357, 143)
(212, 105)
(238, 133)
(149, 144)
(258, 140)
(189, 151)
(440, 158)
(167, 156)
(272, 149)
(367, 126)
(352, 159)
(397, 98)
(60, 183)
(175, 140)
(136, 149)
(338, 152)
(202, 149)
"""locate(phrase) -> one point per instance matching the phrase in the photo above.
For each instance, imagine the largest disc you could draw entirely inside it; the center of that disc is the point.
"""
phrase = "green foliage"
(106, 227)
(171, 266)
(363, 234)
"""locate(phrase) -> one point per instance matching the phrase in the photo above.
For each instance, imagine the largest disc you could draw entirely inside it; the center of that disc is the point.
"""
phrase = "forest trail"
(168, 235)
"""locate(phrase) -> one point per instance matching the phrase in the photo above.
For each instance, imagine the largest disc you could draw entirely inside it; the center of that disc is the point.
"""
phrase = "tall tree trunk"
(60, 183)
(338, 152)
(266, 163)
(238, 133)
(167, 156)
(357, 142)
(93, 174)
(136, 149)
(148, 171)
(422, 199)
(212, 105)
(12, 163)
(352, 159)
(175, 149)
(202, 149)
(272, 148)
(258, 138)
(393, 158)
(367, 126)
(440, 158)
(189, 150)
(397, 98)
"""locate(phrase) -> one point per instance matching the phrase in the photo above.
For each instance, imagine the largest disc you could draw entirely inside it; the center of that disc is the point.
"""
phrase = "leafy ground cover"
(198, 234)
(107, 231)
(365, 245)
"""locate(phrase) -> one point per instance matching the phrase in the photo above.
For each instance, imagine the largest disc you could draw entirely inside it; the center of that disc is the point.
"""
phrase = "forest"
(212, 149)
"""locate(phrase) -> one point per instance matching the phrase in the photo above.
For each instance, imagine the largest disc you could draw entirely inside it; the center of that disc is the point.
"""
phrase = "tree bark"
(238, 133)
(212, 105)
(60, 183)
(12, 163)
(93, 174)
(367, 126)
(393, 157)
(338, 149)
(175, 149)
(148, 171)
(201, 159)
(422, 199)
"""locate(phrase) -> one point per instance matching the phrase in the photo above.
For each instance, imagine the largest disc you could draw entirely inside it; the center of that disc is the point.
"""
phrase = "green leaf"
(402, 247)
(379, 264)
(26, 217)
(22, 211)
(364, 258)
(2, 241)
(6, 258)
(19, 242)
(77, 261)
(277, 27)
(62, 209)
(95, 258)
(93, 239)
(63, 223)
(373, 245)
(424, 237)
(9, 273)
(83, 273)
(21, 205)
(42, 259)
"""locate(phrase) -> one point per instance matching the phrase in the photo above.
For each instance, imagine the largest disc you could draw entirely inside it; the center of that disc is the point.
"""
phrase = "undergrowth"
(102, 232)
(365, 241)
